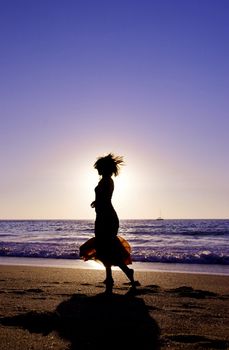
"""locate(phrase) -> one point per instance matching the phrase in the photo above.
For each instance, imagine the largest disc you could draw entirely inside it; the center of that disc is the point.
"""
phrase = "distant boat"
(159, 218)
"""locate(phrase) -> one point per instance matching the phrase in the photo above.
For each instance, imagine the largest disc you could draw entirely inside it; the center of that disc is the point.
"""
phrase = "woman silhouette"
(106, 246)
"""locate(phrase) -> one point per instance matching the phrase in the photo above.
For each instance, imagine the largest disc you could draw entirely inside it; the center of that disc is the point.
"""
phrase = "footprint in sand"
(199, 340)
(185, 291)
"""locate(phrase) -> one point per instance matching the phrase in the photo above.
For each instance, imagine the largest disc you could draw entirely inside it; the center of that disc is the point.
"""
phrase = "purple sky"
(145, 79)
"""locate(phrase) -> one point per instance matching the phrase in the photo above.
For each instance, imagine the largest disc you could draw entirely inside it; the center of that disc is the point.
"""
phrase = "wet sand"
(64, 308)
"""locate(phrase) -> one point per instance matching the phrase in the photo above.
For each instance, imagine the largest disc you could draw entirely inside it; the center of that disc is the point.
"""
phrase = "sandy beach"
(64, 308)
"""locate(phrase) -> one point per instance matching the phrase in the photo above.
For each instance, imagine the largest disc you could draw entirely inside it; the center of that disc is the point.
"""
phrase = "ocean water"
(202, 242)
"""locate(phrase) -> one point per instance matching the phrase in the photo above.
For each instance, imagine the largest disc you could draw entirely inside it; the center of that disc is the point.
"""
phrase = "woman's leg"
(109, 280)
(129, 273)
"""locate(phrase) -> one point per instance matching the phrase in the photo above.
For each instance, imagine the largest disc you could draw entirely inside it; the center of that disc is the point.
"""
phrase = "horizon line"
(90, 219)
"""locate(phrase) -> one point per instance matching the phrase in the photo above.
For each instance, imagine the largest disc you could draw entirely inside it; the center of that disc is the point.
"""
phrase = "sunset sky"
(146, 79)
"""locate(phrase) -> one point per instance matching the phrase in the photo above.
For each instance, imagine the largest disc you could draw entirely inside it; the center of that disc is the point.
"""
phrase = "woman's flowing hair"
(109, 165)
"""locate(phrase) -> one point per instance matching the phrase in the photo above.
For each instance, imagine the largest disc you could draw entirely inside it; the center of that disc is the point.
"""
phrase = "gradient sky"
(146, 79)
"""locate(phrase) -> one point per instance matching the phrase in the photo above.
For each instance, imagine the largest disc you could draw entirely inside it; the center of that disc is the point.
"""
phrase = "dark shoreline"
(209, 269)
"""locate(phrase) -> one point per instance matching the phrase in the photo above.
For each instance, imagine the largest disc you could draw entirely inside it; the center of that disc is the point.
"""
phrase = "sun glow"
(124, 185)
(127, 197)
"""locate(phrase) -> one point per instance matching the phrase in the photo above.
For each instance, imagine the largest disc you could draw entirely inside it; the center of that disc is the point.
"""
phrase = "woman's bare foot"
(134, 283)
(109, 282)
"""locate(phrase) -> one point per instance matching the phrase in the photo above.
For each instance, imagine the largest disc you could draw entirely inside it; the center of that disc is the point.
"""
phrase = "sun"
(123, 188)
(80, 188)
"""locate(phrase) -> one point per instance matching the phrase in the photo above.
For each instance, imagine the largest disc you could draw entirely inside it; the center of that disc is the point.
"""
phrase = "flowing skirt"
(112, 251)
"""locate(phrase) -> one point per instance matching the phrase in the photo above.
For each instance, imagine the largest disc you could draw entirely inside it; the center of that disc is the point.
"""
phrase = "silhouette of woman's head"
(109, 165)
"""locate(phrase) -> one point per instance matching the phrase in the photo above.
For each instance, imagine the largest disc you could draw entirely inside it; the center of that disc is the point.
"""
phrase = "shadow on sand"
(95, 322)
